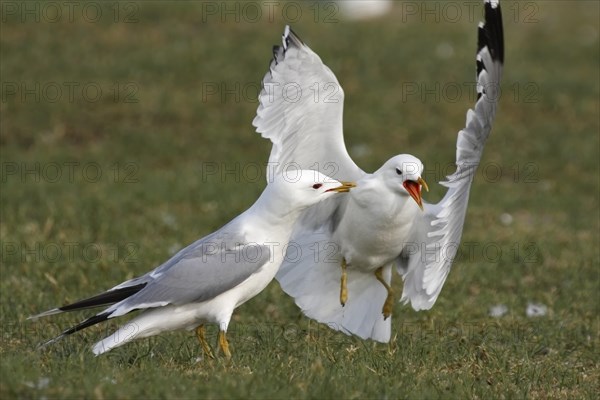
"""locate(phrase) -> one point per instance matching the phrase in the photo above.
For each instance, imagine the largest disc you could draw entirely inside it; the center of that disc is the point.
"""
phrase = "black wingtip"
(110, 297)
(290, 37)
(491, 34)
(96, 319)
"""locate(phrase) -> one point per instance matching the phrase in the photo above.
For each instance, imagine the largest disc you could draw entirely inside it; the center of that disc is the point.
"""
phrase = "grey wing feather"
(199, 272)
(427, 260)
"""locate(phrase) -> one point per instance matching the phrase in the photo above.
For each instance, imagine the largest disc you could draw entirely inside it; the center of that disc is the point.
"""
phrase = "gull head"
(402, 175)
(303, 188)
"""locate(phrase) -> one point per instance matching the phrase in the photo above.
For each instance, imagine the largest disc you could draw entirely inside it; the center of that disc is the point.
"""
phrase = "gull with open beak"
(353, 242)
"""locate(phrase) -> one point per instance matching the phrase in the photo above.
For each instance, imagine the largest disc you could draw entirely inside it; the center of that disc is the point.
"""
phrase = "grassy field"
(126, 134)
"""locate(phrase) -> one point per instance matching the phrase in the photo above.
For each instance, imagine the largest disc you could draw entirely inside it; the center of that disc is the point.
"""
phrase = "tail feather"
(109, 297)
(314, 283)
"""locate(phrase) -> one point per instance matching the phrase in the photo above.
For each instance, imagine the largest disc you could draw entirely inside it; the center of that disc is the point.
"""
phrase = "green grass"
(65, 238)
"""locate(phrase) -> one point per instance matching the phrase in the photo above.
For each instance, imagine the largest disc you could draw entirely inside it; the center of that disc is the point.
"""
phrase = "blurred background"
(126, 134)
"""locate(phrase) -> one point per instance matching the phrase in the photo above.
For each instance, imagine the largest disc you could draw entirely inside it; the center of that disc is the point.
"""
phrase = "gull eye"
(317, 185)
(398, 171)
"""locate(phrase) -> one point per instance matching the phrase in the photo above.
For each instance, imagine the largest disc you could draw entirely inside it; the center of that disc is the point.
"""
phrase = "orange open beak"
(414, 189)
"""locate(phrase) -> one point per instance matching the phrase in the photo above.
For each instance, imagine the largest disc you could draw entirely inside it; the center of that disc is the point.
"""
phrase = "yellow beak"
(344, 188)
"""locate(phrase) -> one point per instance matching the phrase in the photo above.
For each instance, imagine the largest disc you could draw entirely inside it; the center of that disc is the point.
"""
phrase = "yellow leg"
(224, 344)
(201, 335)
(344, 287)
(389, 301)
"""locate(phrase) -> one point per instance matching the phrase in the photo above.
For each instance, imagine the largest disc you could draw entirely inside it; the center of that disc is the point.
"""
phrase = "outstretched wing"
(427, 260)
(301, 112)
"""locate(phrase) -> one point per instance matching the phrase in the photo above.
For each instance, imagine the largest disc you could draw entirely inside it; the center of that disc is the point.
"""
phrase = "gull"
(354, 242)
(205, 281)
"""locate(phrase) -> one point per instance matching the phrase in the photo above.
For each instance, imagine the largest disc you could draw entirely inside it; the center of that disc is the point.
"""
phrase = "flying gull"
(353, 243)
